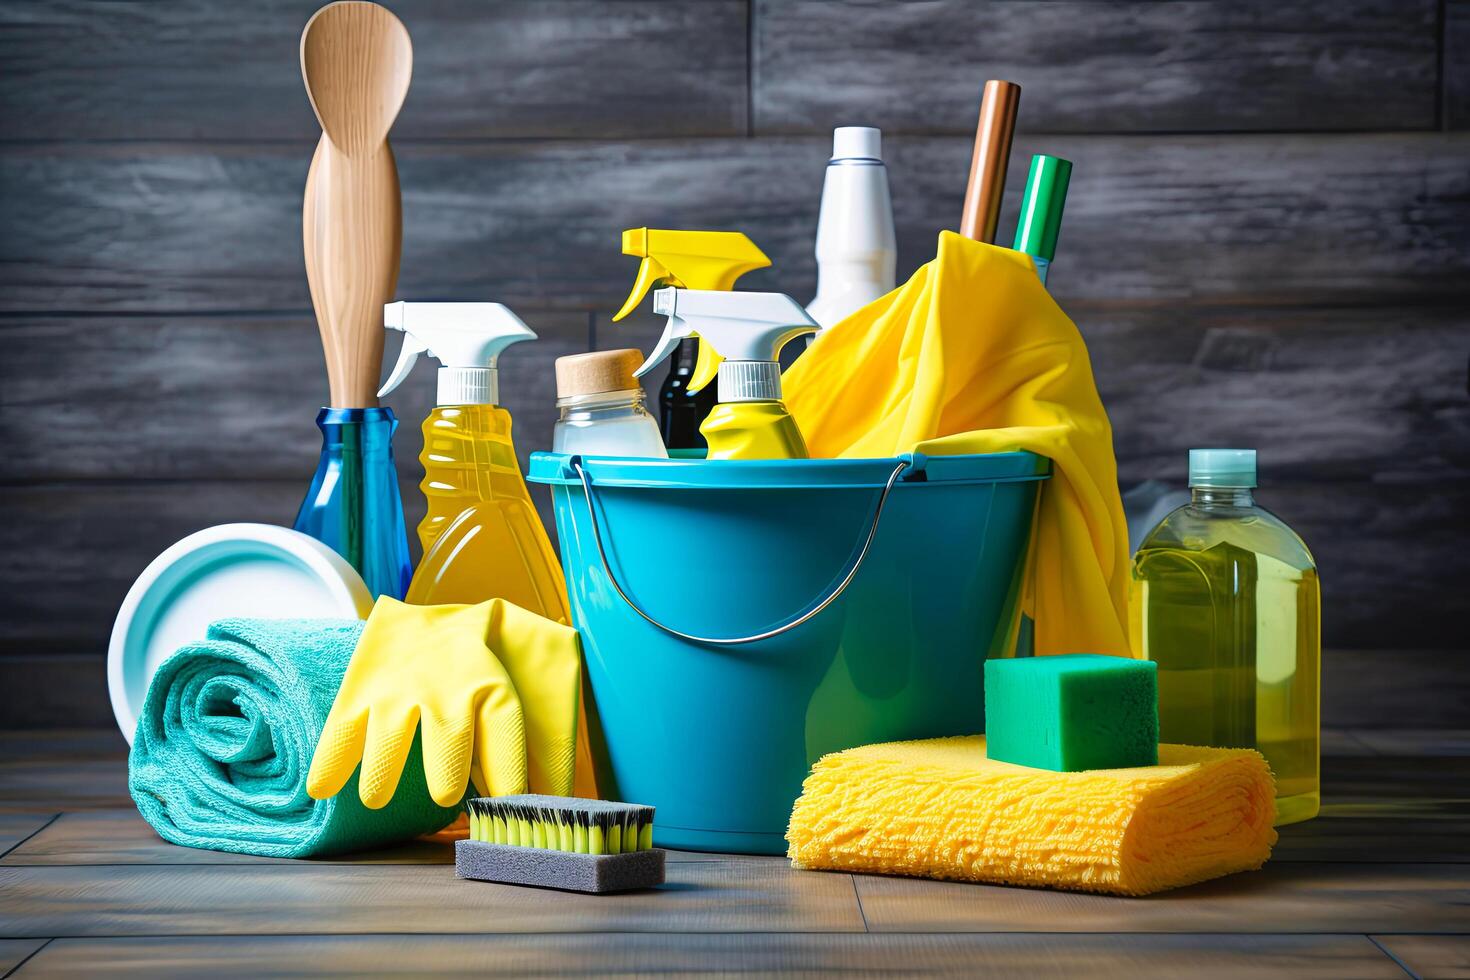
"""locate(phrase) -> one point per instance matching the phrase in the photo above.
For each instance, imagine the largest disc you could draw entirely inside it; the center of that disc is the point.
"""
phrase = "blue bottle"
(353, 505)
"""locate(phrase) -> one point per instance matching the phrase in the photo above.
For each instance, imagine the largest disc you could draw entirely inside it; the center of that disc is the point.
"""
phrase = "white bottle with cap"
(603, 409)
(857, 251)
(748, 330)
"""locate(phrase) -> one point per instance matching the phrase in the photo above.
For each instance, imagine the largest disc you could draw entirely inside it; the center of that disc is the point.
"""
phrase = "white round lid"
(224, 572)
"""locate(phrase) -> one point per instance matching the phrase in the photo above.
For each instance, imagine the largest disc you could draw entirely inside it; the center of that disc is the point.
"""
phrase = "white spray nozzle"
(466, 338)
(741, 327)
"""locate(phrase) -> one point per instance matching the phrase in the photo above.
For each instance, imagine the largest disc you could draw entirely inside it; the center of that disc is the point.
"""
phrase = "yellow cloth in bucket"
(940, 808)
(972, 355)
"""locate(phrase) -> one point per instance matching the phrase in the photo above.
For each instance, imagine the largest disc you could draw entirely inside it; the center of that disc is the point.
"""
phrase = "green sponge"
(1072, 712)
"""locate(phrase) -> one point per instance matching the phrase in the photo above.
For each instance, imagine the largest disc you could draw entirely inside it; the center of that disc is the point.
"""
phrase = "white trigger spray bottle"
(748, 330)
(481, 535)
(857, 251)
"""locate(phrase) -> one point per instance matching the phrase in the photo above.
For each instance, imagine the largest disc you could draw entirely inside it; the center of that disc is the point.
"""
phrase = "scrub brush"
(560, 842)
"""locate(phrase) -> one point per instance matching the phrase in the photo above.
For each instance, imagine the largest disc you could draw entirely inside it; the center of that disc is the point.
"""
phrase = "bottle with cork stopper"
(603, 409)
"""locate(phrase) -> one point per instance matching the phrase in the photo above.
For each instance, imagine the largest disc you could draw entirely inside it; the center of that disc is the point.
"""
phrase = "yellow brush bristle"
(527, 821)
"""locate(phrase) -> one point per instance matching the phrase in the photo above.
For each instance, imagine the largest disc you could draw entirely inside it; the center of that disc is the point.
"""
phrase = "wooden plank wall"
(1267, 243)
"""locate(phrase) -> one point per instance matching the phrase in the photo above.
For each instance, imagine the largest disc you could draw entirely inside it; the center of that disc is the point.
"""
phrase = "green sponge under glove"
(1072, 712)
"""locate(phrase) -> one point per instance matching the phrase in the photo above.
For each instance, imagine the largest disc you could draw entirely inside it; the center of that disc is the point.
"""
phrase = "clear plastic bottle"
(1225, 599)
(603, 410)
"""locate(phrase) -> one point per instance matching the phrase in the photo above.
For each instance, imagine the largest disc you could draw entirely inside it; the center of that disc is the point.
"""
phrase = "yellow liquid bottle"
(752, 430)
(1225, 599)
(482, 537)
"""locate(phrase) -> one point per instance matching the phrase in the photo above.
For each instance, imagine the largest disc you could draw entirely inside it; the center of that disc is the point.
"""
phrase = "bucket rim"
(556, 469)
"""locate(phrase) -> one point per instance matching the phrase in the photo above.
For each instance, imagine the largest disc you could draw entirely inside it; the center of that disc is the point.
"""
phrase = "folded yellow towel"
(940, 809)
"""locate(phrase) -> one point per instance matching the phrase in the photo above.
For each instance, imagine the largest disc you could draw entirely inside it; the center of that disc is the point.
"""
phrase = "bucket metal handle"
(785, 627)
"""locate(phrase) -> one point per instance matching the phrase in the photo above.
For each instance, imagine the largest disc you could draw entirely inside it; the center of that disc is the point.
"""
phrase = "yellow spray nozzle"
(635, 242)
(689, 260)
(650, 273)
(706, 368)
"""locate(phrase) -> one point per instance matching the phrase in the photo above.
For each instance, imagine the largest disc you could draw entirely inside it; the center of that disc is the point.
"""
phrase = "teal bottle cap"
(1041, 208)
(1222, 467)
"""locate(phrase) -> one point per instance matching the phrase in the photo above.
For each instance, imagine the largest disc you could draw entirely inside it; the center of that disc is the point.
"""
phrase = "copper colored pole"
(992, 154)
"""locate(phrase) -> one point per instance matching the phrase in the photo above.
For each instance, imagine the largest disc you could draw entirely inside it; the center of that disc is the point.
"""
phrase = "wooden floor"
(1378, 886)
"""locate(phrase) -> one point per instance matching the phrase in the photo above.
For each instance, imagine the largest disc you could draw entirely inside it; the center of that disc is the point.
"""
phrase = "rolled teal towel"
(226, 736)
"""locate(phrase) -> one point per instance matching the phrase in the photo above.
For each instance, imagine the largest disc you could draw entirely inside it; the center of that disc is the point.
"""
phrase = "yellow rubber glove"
(973, 356)
(429, 666)
(544, 659)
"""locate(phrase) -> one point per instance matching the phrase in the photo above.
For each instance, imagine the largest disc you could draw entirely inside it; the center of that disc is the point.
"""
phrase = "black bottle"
(681, 411)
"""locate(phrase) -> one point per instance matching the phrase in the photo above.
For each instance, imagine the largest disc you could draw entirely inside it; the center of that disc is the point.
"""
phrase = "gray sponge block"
(541, 868)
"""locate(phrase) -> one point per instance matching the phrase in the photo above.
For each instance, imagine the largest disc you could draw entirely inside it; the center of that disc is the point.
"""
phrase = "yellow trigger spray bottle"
(748, 331)
(693, 260)
(482, 537)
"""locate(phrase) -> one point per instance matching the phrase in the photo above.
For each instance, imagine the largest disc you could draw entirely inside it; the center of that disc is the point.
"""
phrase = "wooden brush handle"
(352, 232)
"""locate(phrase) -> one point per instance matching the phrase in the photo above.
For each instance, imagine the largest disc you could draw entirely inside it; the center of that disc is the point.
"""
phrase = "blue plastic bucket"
(742, 618)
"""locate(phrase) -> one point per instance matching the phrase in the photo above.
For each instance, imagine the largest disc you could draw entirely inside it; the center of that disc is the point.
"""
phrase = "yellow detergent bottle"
(693, 260)
(748, 331)
(482, 537)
